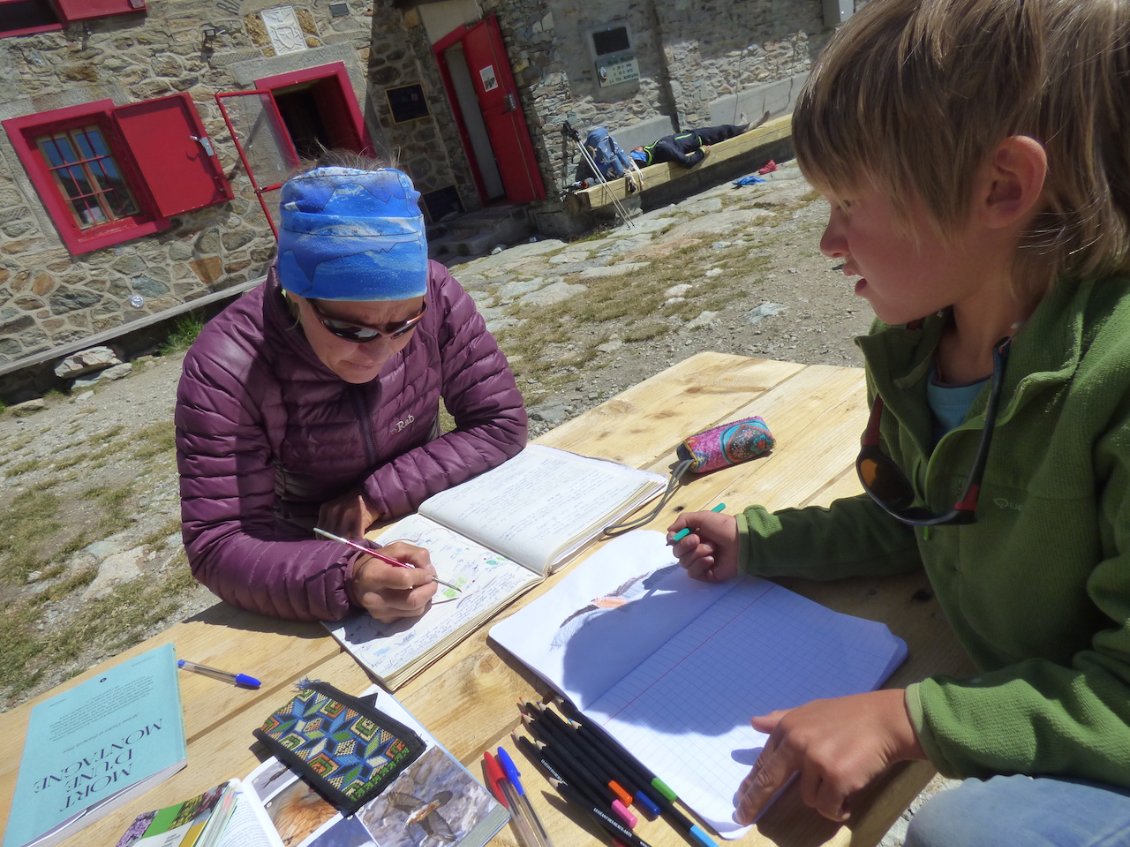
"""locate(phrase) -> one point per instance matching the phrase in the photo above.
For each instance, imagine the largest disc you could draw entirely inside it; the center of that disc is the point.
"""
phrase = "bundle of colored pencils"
(596, 776)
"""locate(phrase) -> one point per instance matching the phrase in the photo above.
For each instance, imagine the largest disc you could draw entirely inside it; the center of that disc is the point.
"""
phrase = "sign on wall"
(283, 29)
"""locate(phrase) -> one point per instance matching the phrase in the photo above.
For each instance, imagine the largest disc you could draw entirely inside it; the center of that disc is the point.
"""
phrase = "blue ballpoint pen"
(512, 774)
(240, 679)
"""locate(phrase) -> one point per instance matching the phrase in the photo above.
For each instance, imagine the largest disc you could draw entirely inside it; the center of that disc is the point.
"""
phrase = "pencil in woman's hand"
(369, 551)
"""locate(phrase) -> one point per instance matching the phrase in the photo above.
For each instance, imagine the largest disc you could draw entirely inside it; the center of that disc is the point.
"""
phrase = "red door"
(502, 113)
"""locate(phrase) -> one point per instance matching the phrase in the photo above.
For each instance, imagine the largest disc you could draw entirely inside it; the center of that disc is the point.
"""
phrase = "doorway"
(484, 99)
(288, 118)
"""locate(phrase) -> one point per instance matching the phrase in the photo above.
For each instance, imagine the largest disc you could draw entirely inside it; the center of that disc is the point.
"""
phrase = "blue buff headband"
(351, 234)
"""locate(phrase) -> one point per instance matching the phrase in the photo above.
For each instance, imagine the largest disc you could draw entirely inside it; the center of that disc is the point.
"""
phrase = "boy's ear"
(1013, 183)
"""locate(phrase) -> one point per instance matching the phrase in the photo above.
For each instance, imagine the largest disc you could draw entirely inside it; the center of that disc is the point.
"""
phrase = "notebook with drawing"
(673, 668)
(494, 537)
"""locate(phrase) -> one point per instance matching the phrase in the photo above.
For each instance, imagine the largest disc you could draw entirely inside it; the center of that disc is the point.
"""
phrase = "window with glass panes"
(83, 167)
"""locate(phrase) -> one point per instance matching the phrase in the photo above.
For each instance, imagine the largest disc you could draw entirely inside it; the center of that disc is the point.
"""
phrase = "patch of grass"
(30, 521)
(20, 468)
(183, 333)
(646, 331)
(76, 458)
(111, 504)
(155, 440)
(158, 536)
(107, 435)
(120, 619)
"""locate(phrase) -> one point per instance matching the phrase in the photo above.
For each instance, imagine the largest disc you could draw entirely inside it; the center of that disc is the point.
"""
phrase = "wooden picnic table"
(467, 699)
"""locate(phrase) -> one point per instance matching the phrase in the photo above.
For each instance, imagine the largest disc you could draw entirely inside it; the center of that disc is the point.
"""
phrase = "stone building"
(143, 142)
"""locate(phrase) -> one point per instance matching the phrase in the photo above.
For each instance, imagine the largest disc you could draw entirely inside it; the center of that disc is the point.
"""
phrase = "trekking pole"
(620, 209)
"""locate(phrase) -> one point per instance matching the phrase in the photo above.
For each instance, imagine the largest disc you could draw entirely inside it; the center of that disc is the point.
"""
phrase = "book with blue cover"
(90, 747)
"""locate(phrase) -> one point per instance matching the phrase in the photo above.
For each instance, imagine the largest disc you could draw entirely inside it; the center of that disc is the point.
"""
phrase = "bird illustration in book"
(433, 802)
(425, 814)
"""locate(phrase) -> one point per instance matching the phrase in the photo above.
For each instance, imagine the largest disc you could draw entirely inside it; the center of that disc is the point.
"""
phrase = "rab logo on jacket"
(400, 425)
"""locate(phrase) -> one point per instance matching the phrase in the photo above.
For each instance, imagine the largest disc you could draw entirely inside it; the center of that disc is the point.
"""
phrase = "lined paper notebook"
(674, 668)
(495, 536)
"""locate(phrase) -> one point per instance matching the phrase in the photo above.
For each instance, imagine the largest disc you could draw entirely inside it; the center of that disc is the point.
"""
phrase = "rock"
(613, 270)
(764, 310)
(86, 361)
(116, 372)
(29, 407)
(115, 569)
(705, 319)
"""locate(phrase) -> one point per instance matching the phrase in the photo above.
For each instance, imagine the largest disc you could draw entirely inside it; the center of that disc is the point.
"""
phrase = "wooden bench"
(742, 149)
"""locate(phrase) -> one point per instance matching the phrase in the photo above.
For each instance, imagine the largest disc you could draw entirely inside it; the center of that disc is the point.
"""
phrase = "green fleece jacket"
(1038, 588)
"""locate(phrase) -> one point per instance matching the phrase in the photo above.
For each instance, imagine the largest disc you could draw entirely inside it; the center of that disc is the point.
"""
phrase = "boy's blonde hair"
(913, 95)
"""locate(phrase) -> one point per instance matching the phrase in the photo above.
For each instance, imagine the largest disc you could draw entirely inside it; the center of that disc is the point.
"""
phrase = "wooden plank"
(642, 425)
(604, 194)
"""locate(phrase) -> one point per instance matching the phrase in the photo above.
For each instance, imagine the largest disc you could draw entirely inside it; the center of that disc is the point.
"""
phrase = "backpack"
(608, 156)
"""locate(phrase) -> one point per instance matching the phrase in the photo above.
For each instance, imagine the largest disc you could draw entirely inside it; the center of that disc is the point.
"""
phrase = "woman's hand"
(837, 747)
(710, 552)
(349, 515)
(389, 593)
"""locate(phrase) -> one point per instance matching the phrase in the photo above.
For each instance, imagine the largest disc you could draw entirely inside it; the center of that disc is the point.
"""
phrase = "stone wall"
(690, 53)
(51, 299)
(429, 148)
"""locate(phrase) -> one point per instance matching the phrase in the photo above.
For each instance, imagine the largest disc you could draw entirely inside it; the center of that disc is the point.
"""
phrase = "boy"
(975, 159)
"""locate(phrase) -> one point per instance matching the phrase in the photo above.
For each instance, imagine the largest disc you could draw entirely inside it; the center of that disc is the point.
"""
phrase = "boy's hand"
(389, 593)
(837, 747)
(710, 551)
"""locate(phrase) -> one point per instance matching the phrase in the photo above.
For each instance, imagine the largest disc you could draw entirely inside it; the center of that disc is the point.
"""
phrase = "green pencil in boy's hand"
(685, 531)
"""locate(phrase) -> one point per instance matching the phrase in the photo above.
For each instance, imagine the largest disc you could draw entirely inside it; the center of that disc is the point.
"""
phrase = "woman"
(313, 400)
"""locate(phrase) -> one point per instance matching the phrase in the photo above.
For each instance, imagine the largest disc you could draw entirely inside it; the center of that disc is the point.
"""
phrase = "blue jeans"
(1020, 811)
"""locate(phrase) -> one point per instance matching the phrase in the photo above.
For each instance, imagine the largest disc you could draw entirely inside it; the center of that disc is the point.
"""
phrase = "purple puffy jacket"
(266, 433)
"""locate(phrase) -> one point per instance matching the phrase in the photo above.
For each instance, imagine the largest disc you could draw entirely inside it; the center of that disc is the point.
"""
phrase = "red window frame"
(162, 153)
(68, 11)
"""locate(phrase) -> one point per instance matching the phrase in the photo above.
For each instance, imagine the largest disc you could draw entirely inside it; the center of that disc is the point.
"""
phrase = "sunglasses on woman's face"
(363, 333)
(885, 482)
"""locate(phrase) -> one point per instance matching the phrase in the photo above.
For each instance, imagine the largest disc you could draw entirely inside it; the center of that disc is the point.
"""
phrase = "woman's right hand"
(389, 593)
(710, 551)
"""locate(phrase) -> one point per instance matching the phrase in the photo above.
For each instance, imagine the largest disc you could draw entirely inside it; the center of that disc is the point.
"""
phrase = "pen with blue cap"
(513, 774)
(240, 679)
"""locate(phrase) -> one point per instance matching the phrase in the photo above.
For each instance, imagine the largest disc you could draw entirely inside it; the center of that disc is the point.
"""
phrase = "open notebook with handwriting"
(495, 537)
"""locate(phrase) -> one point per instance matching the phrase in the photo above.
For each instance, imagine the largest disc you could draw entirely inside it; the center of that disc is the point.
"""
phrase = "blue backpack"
(608, 156)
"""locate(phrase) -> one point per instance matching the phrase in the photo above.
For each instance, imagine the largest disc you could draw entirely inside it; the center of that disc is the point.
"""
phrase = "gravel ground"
(731, 269)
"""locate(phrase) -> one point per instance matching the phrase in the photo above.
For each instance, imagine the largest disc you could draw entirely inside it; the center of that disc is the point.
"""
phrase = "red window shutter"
(83, 10)
(173, 154)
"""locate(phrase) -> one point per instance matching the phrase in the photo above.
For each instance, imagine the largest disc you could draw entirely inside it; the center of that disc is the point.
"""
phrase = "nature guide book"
(90, 747)
(434, 800)
(495, 536)
(673, 668)
(228, 815)
(197, 822)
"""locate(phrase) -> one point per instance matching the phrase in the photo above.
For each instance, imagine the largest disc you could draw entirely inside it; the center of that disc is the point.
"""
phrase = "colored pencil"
(597, 815)
(664, 795)
(376, 554)
(620, 783)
